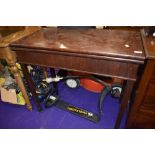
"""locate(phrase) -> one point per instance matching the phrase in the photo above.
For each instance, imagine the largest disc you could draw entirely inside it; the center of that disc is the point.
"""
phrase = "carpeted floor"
(18, 117)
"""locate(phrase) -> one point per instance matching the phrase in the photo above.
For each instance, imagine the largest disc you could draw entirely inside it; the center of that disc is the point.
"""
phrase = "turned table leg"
(11, 60)
(124, 102)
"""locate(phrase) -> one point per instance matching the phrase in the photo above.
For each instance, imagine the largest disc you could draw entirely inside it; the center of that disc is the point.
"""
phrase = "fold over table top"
(113, 43)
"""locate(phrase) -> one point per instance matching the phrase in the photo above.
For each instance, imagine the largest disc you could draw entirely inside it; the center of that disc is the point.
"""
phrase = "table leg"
(11, 60)
(31, 86)
(21, 86)
(52, 70)
(124, 101)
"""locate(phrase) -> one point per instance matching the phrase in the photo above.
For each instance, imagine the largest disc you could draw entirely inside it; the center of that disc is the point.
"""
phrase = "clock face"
(72, 83)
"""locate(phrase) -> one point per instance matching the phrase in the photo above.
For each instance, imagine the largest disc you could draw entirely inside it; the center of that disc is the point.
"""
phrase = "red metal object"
(95, 86)
(91, 85)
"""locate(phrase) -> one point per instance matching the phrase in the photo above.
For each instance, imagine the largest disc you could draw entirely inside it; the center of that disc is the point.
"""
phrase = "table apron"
(112, 68)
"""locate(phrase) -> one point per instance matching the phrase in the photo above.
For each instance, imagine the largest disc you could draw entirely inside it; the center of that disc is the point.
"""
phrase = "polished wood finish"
(111, 53)
(92, 42)
(8, 28)
(91, 64)
(18, 35)
(10, 56)
(86, 50)
(125, 100)
(142, 114)
(149, 45)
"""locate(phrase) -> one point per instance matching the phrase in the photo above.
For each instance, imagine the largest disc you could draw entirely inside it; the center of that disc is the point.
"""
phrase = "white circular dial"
(71, 83)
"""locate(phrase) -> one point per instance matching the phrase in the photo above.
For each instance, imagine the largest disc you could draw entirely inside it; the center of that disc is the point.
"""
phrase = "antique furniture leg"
(31, 86)
(124, 101)
(11, 60)
(52, 70)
